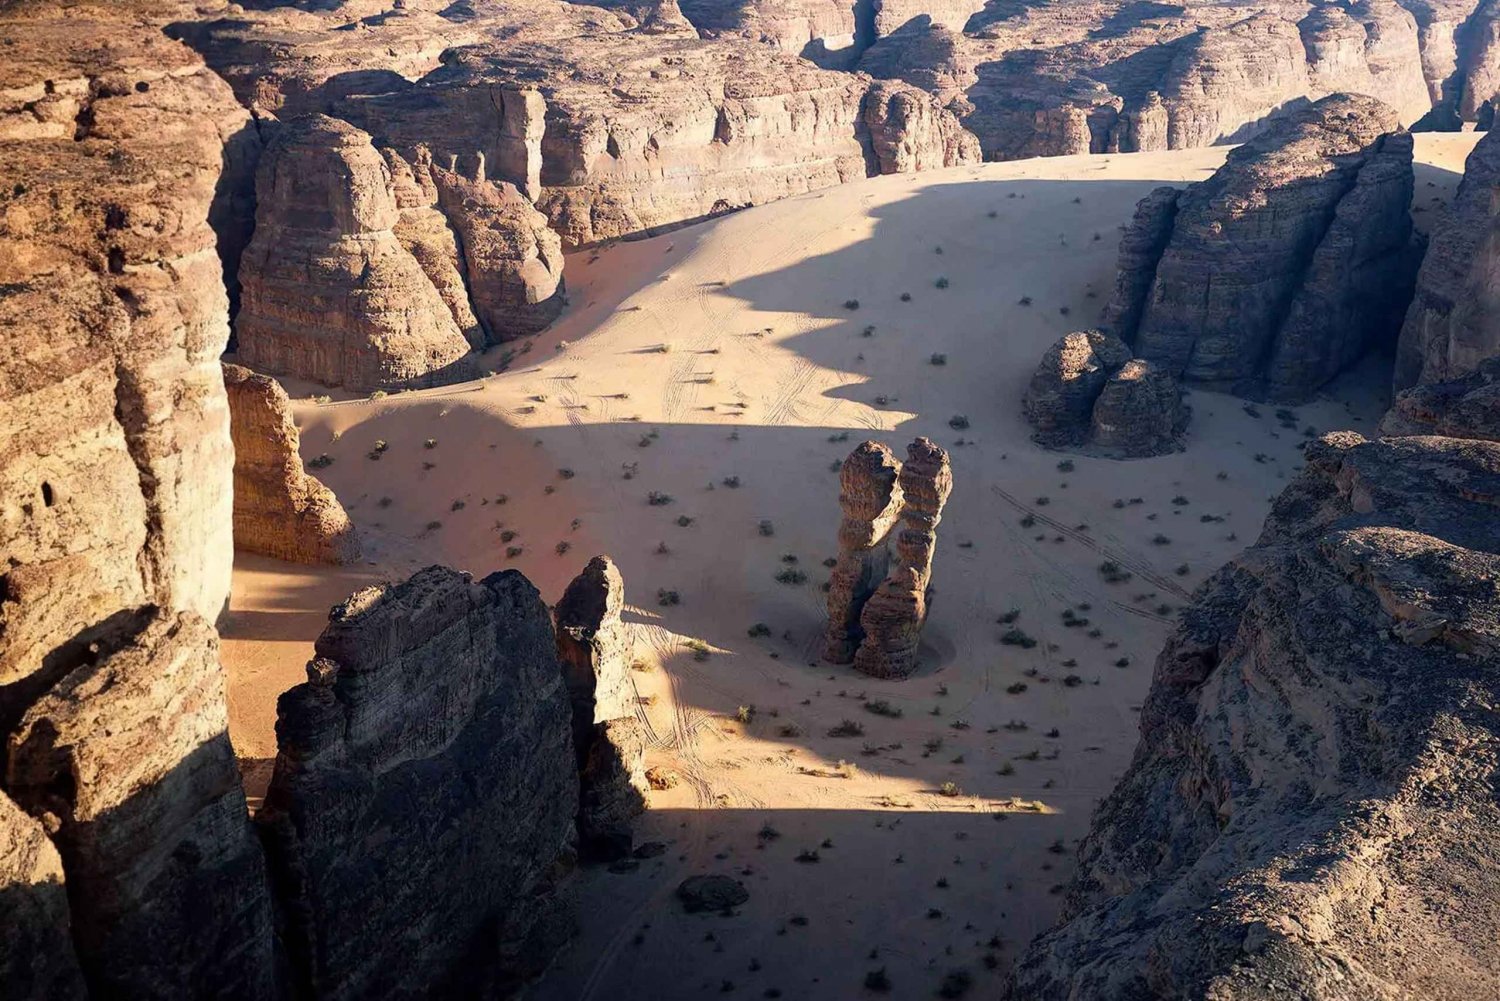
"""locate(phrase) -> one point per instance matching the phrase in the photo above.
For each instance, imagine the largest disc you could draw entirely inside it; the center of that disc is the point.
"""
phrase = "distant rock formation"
(892, 618)
(1310, 811)
(593, 646)
(870, 500)
(328, 292)
(36, 944)
(128, 758)
(280, 509)
(1453, 322)
(431, 741)
(910, 131)
(1468, 407)
(1088, 392)
(1286, 265)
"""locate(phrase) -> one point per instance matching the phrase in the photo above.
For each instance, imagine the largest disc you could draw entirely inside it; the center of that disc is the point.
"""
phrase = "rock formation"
(425, 791)
(593, 646)
(280, 509)
(870, 500)
(1468, 407)
(1306, 234)
(36, 947)
(1141, 247)
(892, 618)
(1453, 322)
(328, 293)
(128, 758)
(1310, 810)
(1087, 392)
(910, 131)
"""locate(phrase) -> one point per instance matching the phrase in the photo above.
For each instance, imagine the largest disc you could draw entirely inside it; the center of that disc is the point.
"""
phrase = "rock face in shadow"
(1287, 264)
(1315, 777)
(594, 648)
(892, 618)
(280, 509)
(425, 791)
(870, 500)
(1141, 247)
(36, 947)
(1460, 408)
(1453, 323)
(910, 131)
(129, 758)
(115, 462)
(1139, 412)
(328, 292)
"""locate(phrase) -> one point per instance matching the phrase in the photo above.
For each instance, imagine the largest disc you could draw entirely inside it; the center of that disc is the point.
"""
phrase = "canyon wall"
(1302, 241)
(1453, 323)
(1310, 809)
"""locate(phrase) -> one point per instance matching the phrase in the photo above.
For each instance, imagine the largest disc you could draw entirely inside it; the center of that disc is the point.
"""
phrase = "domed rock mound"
(1088, 393)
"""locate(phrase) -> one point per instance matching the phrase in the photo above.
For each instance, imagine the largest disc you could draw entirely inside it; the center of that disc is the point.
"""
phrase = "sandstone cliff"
(1306, 234)
(280, 509)
(425, 790)
(1468, 407)
(1310, 810)
(1453, 322)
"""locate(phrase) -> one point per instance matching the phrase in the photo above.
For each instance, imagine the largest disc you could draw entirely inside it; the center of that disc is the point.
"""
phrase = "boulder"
(1139, 412)
(1060, 398)
(425, 791)
(711, 893)
(280, 509)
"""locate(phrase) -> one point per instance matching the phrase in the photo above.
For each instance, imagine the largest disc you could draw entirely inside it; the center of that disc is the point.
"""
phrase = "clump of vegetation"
(667, 596)
(949, 789)
(658, 499)
(880, 707)
(851, 303)
(765, 528)
(878, 981)
(320, 462)
(1015, 636)
(906, 297)
(958, 422)
(1113, 573)
(938, 359)
(732, 482)
(941, 283)
(758, 630)
(433, 526)
(791, 575)
(847, 728)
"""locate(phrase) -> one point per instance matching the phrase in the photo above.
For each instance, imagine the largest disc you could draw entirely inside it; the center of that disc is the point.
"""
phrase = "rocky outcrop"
(128, 759)
(36, 947)
(1060, 398)
(1453, 323)
(910, 131)
(1462, 408)
(594, 648)
(328, 293)
(1310, 811)
(870, 501)
(1089, 393)
(1306, 235)
(1141, 247)
(892, 618)
(425, 791)
(1139, 412)
(280, 509)
(115, 468)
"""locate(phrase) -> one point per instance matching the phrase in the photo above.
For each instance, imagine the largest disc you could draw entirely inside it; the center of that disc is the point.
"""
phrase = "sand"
(721, 366)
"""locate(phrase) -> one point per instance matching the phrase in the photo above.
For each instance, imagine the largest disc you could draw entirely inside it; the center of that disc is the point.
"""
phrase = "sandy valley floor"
(719, 365)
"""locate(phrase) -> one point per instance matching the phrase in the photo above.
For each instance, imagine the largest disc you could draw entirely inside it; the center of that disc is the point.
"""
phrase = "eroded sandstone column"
(280, 509)
(893, 617)
(594, 647)
(870, 499)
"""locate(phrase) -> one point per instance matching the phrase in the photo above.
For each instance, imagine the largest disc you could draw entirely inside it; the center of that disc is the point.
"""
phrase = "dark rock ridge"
(1310, 811)
(1286, 265)
(280, 509)
(1468, 407)
(423, 801)
(1453, 323)
(1088, 392)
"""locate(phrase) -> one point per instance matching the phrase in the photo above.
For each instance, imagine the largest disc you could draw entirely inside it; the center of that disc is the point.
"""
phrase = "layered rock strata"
(870, 501)
(328, 292)
(1139, 412)
(280, 509)
(1453, 323)
(1460, 408)
(36, 944)
(892, 618)
(594, 648)
(1305, 234)
(425, 791)
(1310, 810)
(910, 131)
(128, 760)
